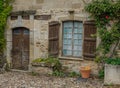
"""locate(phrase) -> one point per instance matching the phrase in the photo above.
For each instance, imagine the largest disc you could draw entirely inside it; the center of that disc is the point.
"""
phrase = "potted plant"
(85, 71)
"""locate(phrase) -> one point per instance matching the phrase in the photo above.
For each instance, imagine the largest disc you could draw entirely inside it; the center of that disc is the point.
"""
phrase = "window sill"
(71, 58)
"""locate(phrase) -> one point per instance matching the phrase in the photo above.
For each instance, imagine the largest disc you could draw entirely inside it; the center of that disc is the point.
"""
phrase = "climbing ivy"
(106, 14)
(5, 9)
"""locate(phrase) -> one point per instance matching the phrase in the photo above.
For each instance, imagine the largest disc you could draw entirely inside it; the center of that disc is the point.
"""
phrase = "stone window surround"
(61, 20)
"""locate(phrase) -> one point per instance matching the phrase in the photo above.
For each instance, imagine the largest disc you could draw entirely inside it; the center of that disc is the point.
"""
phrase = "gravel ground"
(25, 80)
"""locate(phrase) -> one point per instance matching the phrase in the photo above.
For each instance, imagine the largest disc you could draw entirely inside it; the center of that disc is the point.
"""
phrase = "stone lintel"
(27, 12)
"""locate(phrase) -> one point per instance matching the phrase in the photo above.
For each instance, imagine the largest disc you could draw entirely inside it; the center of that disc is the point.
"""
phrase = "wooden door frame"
(28, 44)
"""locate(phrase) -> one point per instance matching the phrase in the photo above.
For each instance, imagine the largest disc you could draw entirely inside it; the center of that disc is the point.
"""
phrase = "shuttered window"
(89, 46)
(54, 38)
(72, 38)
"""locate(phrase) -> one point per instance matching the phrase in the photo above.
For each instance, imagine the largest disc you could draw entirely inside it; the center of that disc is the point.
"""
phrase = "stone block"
(39, 1)
(35, 7)
(112, 74)
(76, 5)
(42, 70)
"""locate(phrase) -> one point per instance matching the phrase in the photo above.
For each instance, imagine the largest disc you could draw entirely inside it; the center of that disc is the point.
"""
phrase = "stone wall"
(59, 10)
(72, 65)
(42, 70)
(48, 4)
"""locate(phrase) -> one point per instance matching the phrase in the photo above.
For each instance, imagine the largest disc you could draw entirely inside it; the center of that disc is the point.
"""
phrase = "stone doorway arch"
(20, 48)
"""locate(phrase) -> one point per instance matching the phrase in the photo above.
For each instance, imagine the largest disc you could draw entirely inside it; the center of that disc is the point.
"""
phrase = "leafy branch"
(106, 14)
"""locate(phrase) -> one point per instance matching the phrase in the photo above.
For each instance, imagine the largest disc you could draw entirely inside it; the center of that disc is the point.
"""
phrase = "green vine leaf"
(5, 8)
(104, 12)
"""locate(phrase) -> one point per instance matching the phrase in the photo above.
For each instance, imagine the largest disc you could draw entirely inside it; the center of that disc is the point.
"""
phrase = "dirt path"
(25, 80)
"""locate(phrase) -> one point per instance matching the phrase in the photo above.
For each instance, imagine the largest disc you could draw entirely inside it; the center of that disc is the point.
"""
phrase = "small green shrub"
(73, 74)
(50, 62)
(113, 61)
(101, 73)
(38, 60)
(58, 73)
(63, 74)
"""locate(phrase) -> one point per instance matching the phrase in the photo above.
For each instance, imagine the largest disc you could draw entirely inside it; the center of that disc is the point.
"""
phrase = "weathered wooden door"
(89, 46)
(54, 38)
(20, 50)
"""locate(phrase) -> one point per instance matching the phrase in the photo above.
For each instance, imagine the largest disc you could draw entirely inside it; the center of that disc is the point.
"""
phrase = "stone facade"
(59, 10)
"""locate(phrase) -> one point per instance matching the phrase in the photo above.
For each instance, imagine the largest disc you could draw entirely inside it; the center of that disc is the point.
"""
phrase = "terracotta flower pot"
(85, 71)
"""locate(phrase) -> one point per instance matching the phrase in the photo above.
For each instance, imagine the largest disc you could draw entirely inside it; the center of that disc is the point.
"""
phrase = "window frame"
(73, 22)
